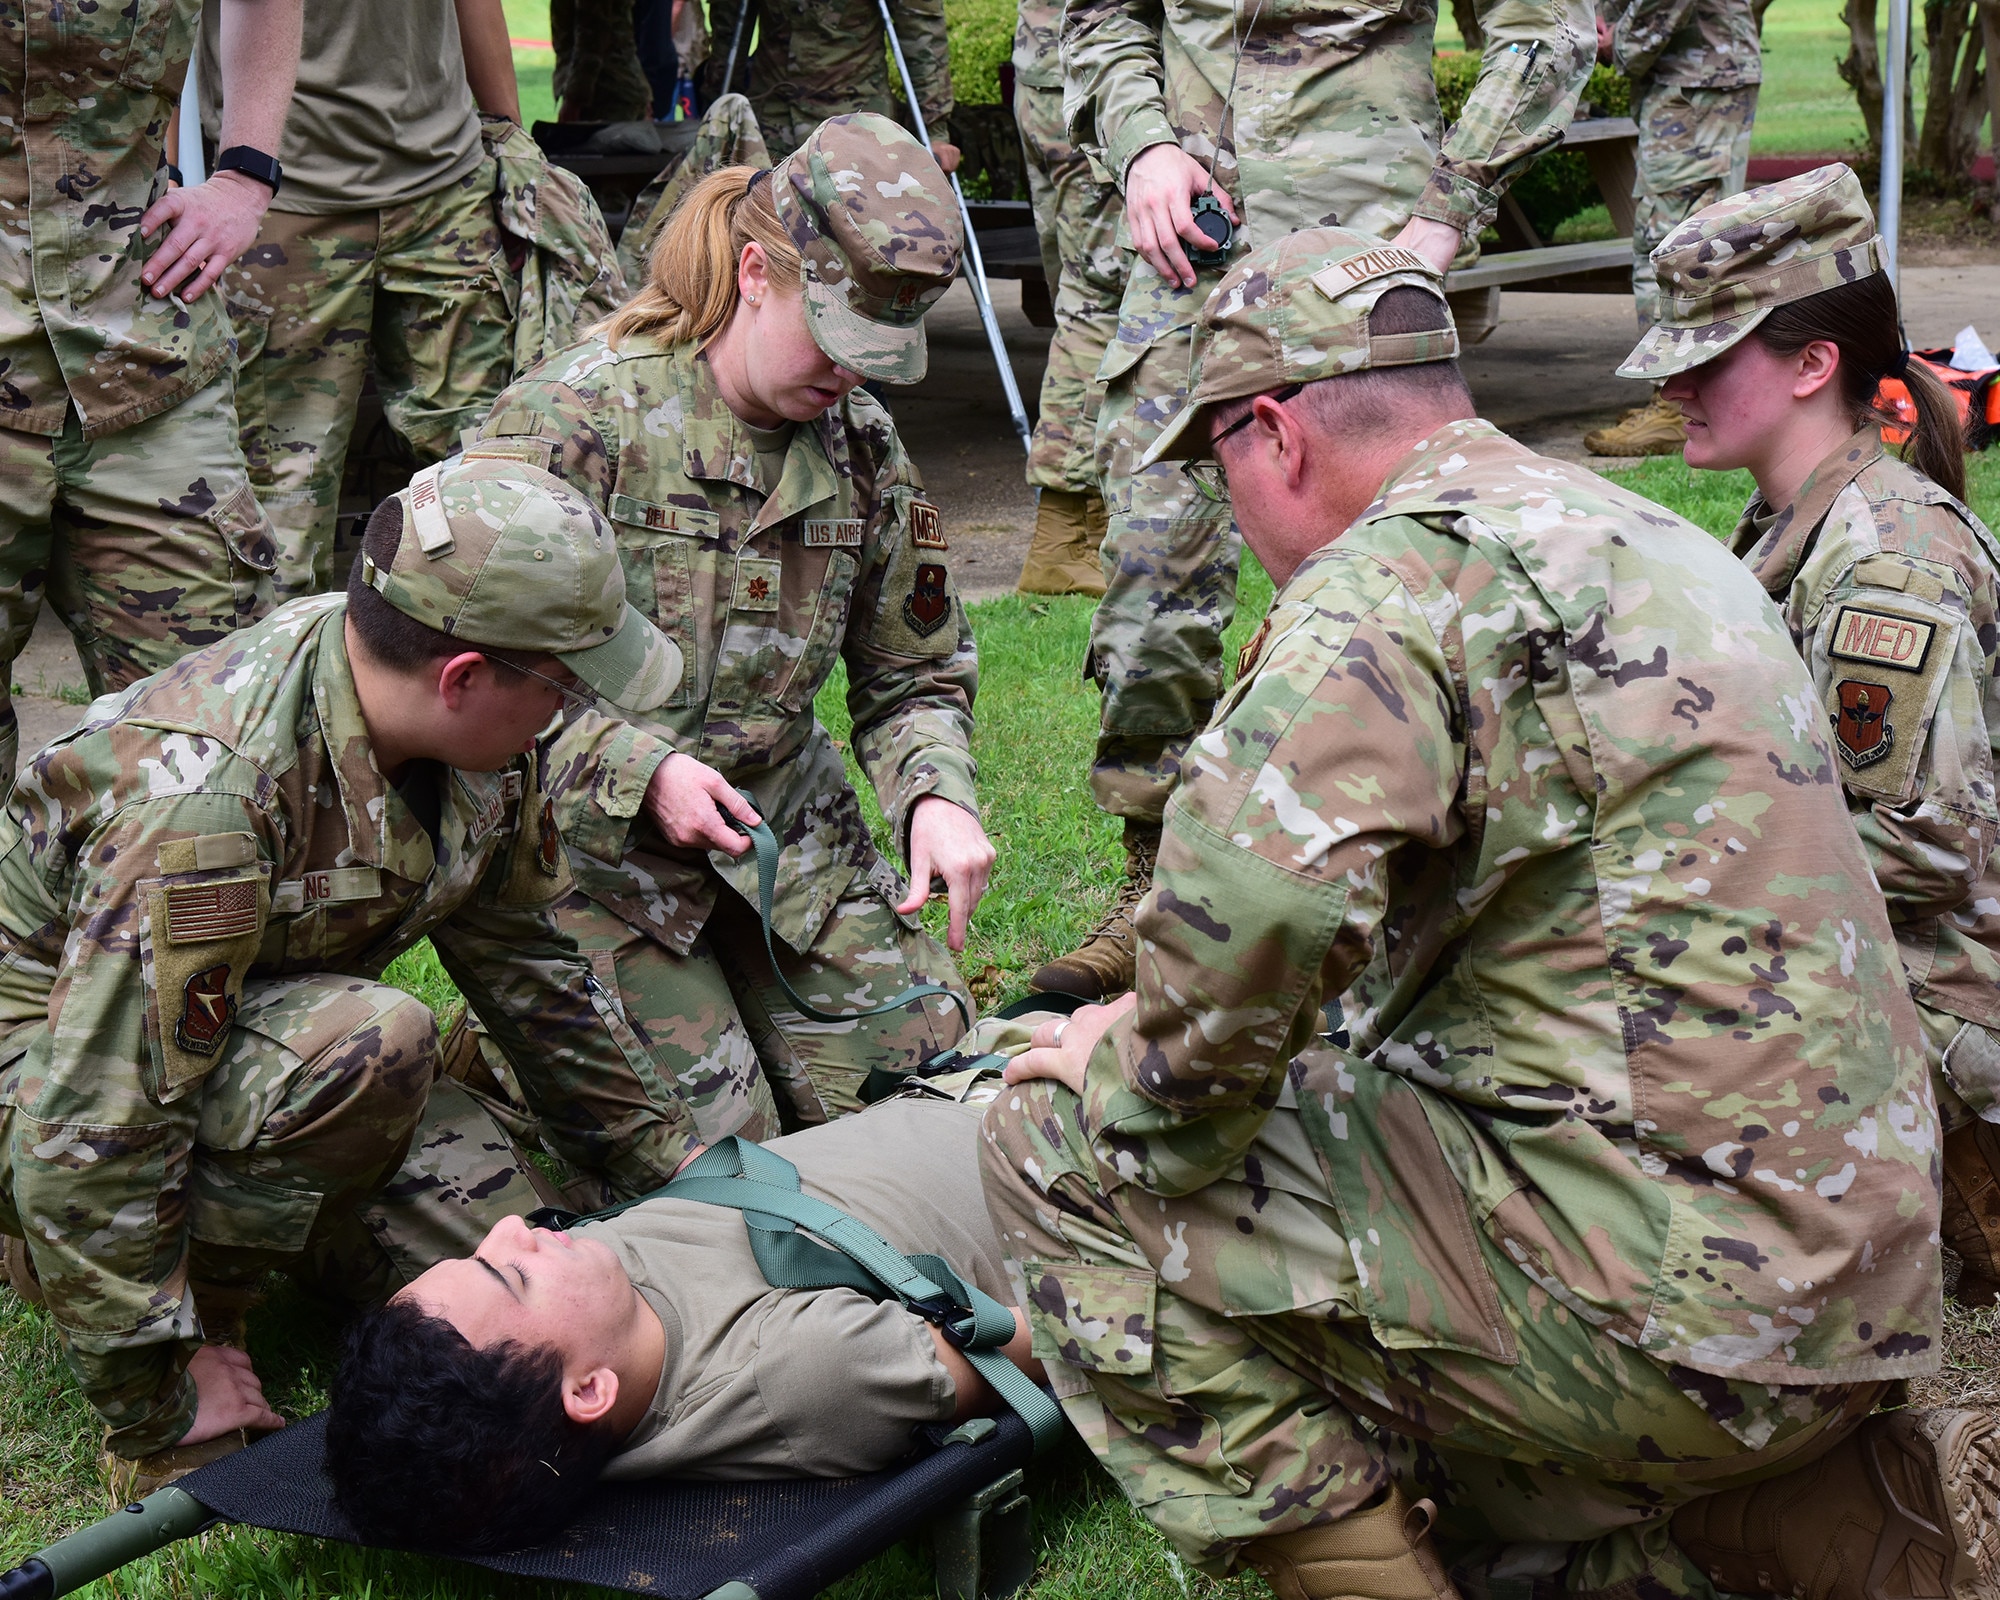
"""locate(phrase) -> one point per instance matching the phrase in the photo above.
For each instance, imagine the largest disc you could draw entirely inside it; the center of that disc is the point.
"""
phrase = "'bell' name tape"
(323, 888)
(1881, 639)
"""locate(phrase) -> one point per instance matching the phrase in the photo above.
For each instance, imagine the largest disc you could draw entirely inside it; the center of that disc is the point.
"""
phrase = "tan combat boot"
(1103, 965)
(1654, 429)
(1062, 559)
(1972, 1210)
(1382, 1552)
(1904, 1508)
(224, 1310)
(131, 1479)
(21, 1271)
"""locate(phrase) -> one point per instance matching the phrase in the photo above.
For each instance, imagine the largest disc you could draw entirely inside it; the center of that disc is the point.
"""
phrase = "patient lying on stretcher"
(475, 1410)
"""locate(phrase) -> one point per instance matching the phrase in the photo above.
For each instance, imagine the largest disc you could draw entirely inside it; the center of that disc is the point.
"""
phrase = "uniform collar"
(381, 830)
(1439, 472)
(1775, 551)
(716, 445)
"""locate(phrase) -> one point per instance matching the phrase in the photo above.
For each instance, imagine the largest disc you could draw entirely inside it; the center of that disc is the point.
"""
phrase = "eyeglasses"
(573, 699)
(1207, 475)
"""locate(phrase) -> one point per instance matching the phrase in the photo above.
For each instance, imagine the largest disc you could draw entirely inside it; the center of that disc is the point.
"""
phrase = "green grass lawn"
(1058, 864)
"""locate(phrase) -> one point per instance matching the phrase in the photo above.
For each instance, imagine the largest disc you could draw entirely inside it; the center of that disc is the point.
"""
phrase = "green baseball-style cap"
(874, 218)
(500, 553)
(1727, 267)
(1296, 311)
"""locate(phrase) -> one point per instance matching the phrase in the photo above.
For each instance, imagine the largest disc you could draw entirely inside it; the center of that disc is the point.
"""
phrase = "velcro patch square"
(200, 912)
(1881, 639)
(926, 526)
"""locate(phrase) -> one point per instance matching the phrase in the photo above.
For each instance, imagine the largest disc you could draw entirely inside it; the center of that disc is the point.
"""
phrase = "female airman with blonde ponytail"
(1780, 324)
(771, 523)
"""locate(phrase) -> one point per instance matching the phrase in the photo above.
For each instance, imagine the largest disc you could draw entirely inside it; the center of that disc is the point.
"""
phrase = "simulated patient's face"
(533, 1286)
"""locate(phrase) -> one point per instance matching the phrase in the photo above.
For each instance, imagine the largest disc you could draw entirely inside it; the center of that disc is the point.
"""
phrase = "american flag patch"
(199, 912)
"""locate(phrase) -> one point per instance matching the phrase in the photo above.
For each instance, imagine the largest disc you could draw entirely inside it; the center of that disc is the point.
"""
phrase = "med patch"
(927, 526)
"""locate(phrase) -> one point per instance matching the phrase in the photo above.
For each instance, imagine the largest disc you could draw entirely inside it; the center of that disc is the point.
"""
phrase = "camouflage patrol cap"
(1296, 311)
(503, 554)
(1727, 267)
(873, 215)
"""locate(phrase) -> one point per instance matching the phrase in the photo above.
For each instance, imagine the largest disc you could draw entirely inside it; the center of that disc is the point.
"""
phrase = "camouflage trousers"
(1234, 1364)
(421, 291)
(323, 1146)
(1694, 148)
(741, 1057)
(1077, 215)
(148, 542)
(727, 137)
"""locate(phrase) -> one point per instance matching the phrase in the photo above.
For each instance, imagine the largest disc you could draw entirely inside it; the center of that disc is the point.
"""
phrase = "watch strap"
(252, 163)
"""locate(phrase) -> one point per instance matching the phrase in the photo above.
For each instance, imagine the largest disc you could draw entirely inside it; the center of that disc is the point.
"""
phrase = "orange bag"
(1977, 394)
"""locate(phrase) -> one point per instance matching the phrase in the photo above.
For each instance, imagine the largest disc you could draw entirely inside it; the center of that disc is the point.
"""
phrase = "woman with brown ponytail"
(1780, 324)
(770, 523)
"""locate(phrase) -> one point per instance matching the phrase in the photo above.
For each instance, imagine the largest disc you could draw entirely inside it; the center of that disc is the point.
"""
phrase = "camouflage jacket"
(1037, 44)
(85, 94)
(1699, 44)
(569, 277)
(1892, 591)
(765, 586)
(1526, 768)
(1139, 73)
(241, 777)
(822, 58)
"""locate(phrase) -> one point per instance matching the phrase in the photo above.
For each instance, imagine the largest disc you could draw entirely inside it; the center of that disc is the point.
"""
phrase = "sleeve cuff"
(1142, 130)
(1455, 200)
(159, 1429)
(939, 774)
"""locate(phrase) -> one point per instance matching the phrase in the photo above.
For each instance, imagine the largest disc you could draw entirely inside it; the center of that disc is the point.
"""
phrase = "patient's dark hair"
(434, 1445)
(395, 638)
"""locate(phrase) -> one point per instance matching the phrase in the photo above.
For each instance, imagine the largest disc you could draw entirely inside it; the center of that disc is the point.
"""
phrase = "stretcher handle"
(164, 1517)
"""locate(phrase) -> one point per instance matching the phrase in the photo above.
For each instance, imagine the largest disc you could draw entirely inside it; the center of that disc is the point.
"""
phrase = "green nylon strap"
(764, 1186)
(765, 843)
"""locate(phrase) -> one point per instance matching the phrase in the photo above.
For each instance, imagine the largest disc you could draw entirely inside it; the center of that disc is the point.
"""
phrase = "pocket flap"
(246, 530)
(228, 1208)
(1097, 1318)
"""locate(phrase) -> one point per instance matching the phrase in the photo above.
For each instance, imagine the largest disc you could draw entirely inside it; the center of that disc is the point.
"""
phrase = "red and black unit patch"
(548, 855)
(926, 608)
(1861, 723)
(207, 1009)
(926, 526)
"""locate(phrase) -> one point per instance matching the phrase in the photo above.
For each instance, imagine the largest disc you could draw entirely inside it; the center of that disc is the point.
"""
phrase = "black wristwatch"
(252, 164)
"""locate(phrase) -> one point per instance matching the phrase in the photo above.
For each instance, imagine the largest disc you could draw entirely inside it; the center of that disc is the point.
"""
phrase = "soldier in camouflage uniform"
(1695, 66)
(386, 251)
(598, 77)
(773, 526)
(204, 1076)
(125, 498)
(827, 58)
(1333, 119)
(1621, 1190)
(1891, 588)
(1077, 213)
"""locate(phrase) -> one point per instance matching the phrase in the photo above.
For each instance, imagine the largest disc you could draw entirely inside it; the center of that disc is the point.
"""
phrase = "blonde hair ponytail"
(690, 291)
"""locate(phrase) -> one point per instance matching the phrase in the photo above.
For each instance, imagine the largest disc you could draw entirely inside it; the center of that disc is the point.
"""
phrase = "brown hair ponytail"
(690, 290)
(1859, 319)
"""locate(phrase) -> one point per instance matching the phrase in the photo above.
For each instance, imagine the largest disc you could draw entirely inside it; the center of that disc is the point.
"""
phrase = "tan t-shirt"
(769, 1383)
(382, 113)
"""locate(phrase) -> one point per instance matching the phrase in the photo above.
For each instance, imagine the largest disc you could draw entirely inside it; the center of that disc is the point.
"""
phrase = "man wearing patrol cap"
(1619, 1189)
(204, 1077)
(772, 523)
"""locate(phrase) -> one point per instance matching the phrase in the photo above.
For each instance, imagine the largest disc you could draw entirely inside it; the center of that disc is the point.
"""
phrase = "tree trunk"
(1954, 101)
(1862, 70)
(1465, 14)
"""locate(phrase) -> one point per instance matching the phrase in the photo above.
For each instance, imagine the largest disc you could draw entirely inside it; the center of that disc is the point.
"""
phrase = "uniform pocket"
(1093, 1318)
(659, 582)
(229, 1208)
(252, 552)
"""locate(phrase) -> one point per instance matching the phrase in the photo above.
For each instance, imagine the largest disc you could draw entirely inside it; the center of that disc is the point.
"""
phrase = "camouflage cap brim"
(1186, 438)
(878, 350)
(1663, 351)
(636, 669)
